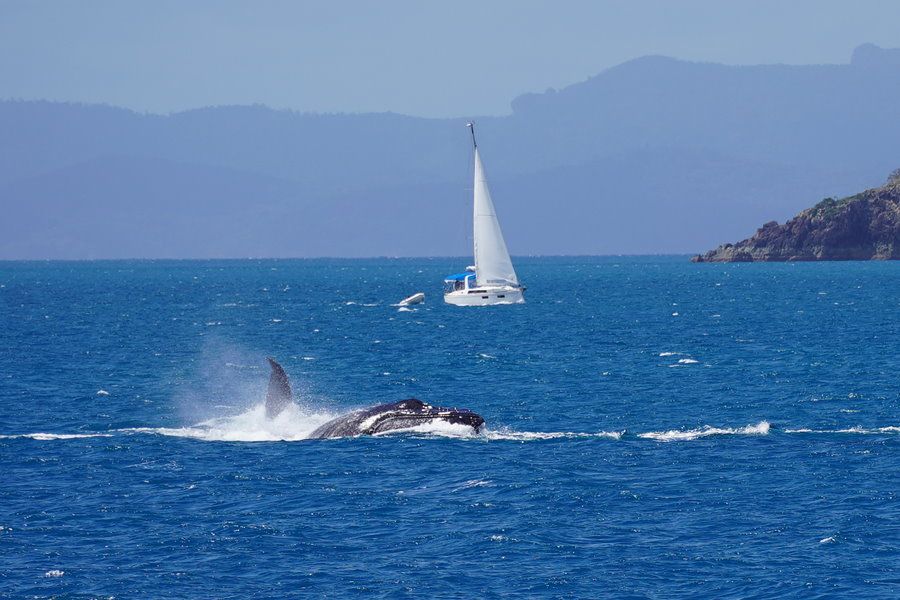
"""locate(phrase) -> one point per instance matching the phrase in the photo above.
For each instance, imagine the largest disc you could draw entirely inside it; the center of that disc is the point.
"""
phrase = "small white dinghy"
(414, 299)
(493, 279)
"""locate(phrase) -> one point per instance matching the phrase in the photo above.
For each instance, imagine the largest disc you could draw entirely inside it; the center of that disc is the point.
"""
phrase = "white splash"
(680, 435)
(54, 573)
(291, 425)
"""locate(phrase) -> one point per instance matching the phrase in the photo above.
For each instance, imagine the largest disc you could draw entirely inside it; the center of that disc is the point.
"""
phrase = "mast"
(471, 126)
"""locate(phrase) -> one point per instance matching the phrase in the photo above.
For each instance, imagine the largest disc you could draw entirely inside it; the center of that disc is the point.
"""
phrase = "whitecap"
(687, 361)
(679, 435)
(102, 393)
(473, 483)
(828, 540)
(54, 573)
(669, 353)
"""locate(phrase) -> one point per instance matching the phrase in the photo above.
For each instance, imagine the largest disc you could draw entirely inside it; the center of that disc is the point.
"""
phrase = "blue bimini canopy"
(459, 276)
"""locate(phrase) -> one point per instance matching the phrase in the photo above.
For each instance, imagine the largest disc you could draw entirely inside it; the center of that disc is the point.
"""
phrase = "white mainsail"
(492, 263)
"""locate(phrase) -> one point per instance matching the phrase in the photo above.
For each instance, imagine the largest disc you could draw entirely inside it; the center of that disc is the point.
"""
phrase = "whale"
(373, 420)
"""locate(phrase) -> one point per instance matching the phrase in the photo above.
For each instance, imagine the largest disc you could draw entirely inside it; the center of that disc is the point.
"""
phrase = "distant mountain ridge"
(653, 155)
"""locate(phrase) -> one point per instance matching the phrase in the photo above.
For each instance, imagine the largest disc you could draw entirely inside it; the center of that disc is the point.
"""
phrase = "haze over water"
(655, 429)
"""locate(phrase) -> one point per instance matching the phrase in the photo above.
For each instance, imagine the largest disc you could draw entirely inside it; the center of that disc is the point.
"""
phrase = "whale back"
(391, 417)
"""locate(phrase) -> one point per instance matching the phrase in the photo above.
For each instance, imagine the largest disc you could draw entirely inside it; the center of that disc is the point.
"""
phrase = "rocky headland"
(865, 226)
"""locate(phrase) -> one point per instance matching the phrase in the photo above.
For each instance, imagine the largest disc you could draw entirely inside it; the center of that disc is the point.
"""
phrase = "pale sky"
(424, 58)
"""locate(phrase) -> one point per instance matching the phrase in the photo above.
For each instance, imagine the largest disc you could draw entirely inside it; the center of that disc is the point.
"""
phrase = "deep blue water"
(760, 407)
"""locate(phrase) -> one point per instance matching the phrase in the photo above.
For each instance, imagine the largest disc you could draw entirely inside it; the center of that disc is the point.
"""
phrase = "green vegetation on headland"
(865, 226)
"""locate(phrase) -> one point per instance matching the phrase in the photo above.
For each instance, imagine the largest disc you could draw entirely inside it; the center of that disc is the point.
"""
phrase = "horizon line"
(329, 257)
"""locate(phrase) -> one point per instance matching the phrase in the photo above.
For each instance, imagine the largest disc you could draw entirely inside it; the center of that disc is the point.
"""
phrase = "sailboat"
(492, 280)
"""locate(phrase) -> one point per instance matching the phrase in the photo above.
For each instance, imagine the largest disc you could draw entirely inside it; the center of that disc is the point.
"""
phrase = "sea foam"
(55, 436)
(680, 435)
(856, 430)
(528, 436)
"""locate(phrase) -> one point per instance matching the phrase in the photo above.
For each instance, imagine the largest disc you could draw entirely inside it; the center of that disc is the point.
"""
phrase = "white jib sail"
(492, 263)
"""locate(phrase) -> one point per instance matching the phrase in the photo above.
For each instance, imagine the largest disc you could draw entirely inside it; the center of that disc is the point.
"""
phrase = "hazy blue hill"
(322, 151)
(823, 115)
(673, 197)
(325, 151)
(654, 155)
(120, 207)
(38, 137)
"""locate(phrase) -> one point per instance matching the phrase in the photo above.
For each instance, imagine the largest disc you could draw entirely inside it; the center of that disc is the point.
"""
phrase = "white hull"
(485, 296)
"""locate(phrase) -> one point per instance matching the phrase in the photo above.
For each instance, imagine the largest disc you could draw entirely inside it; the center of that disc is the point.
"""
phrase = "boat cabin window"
(457, 283)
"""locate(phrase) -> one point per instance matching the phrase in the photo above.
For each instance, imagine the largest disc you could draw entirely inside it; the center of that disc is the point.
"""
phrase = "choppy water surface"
(655, 429)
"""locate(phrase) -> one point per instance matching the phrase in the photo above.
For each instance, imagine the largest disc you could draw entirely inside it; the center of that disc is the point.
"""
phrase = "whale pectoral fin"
(279, 395)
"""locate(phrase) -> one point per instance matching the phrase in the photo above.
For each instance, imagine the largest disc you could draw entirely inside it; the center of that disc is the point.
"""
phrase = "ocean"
(655, 429)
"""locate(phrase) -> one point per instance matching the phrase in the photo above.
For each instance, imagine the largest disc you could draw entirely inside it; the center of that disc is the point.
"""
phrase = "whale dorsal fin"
(279, 393)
